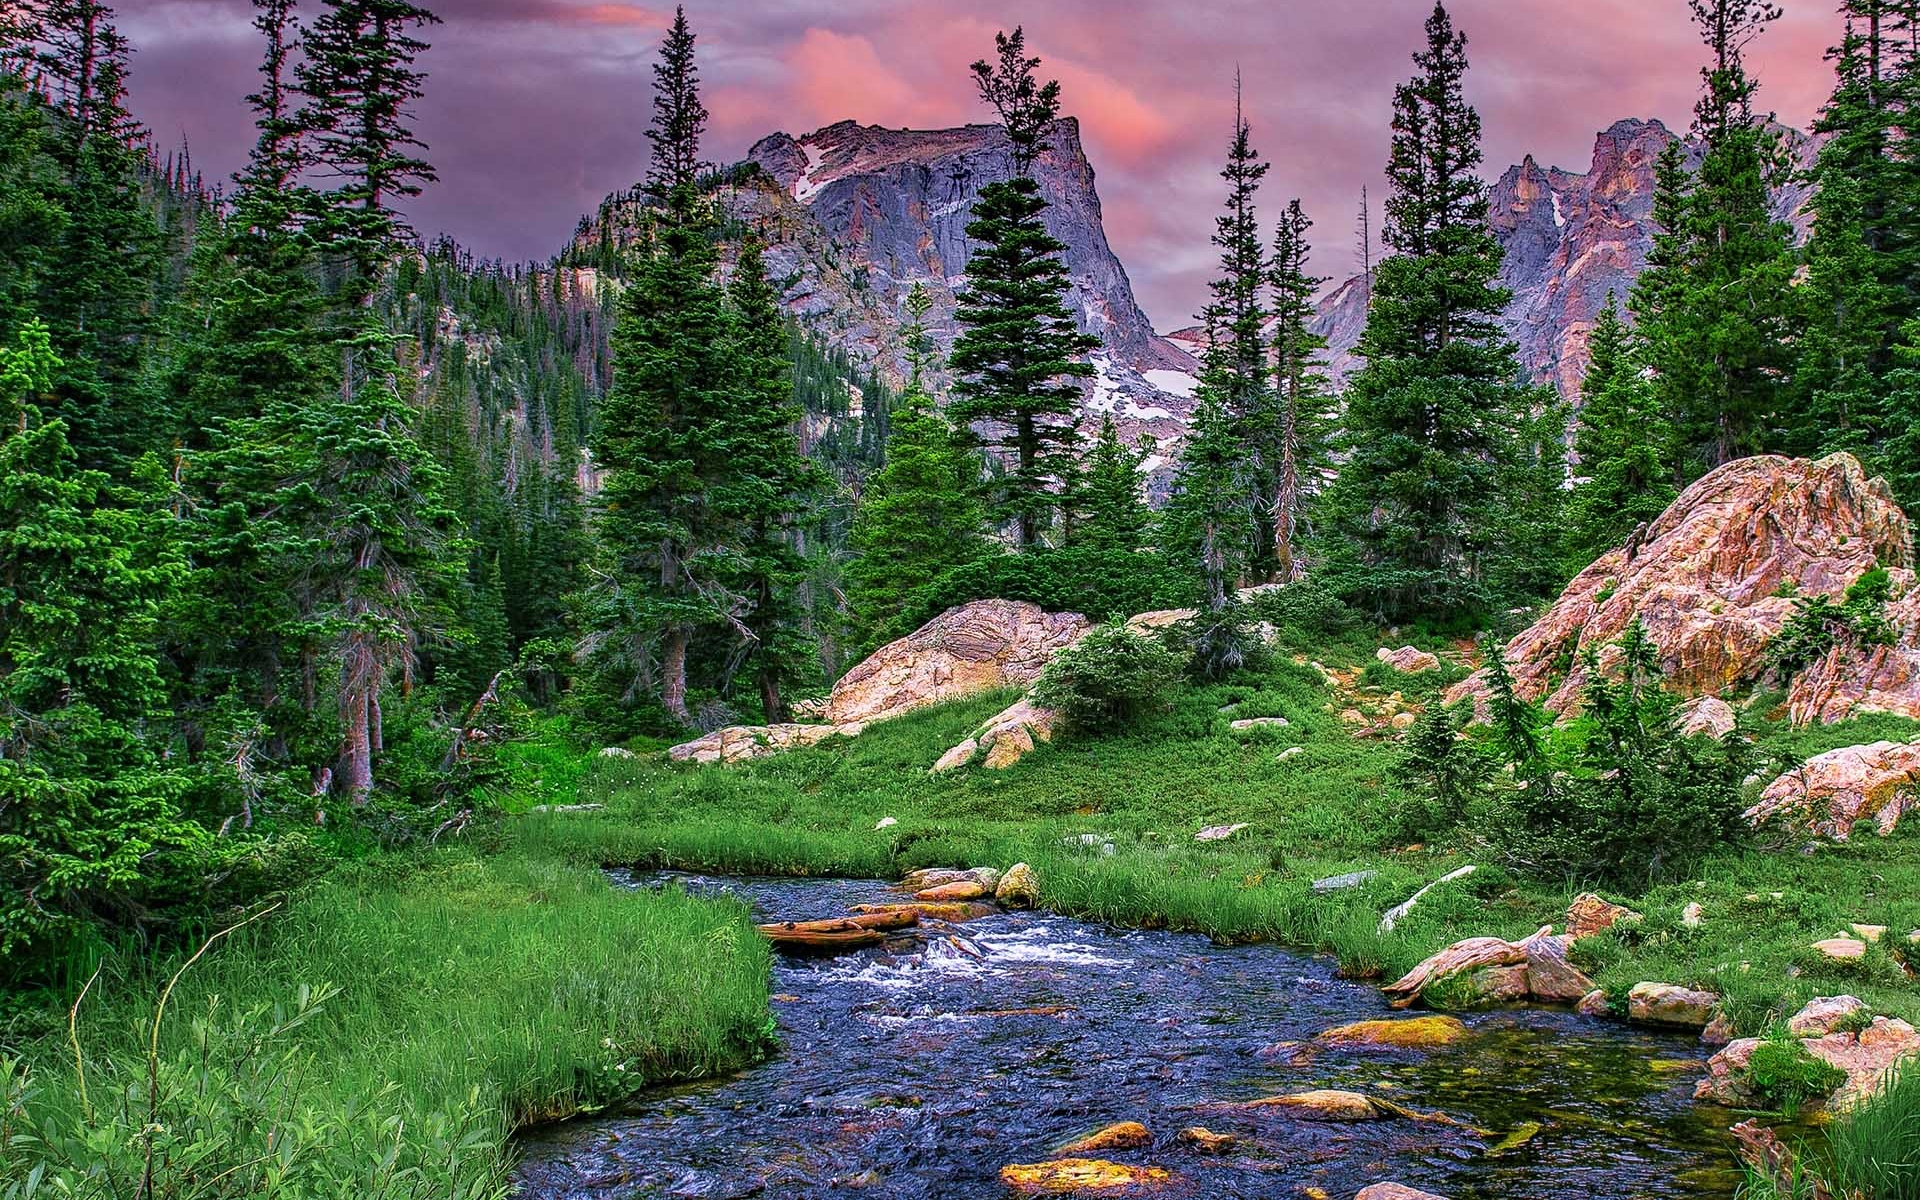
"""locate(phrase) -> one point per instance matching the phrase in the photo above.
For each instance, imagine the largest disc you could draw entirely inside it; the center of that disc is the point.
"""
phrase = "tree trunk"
(673, 670)
(356, 748)
(771, 702)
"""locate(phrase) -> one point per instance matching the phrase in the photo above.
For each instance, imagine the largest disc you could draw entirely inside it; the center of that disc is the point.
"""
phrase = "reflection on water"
(918, 1070)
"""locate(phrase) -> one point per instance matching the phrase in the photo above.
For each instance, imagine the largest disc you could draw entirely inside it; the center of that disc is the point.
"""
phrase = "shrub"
(1818, 625)
(1305, 608)
(1103, 584)
(1219, 644)
(1110, 680)
(1785, 1076)
(1443, 774)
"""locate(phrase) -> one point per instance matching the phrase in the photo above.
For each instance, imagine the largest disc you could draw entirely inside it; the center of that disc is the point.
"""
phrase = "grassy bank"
(383, 1035)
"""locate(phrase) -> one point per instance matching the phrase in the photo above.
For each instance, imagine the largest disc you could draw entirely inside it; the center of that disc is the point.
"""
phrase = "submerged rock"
(959, 889)
(1073, 1176)
(1394, 1191)
(1406, 1033)
(1325, 1104)
(1121, 1135)
(1206, 1141)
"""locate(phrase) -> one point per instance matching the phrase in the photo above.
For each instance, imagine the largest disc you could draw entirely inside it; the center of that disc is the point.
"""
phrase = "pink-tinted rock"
(1393, 1191)
(1824, 1015)
(1408, 659)
(977, 647)
(1550, 977)
(1831, 792)
(1710, 577)
(1709, 715)
(1668, 1004)
(1589, 914)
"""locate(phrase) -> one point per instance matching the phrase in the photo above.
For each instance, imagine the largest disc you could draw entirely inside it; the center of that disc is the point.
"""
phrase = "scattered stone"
(1290, 752)
(1394, 1191)
(1009, 748)
(1867, 933)
(566, 808)
(1353, 716)
(926, 877)
(1589, 914)
(1408, 659)
(744, 743)
(1336, 883)
(1826, 1014)
(1393, 915)
(958, 757)
(1670, 1004)
(1019, 887)
(1593, 1004)
(959, 889)
(986, 877)
(1842, 949)
(617, 752)
(1122, 1135)
(1404, 720)
(1206, 1141)
(1464, 960)
(1409, 1033)
(886, 823)
(1073, 1176)
(1719, 1031)
(1708, 715)
(1693, 916)
(1831, 792)
(1249, 723)
(1218, 833)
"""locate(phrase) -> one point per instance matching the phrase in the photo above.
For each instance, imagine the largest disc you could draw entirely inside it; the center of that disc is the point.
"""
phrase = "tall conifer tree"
(1624, 480)
(1296, 442)
(1018, 345)
(1434, 419)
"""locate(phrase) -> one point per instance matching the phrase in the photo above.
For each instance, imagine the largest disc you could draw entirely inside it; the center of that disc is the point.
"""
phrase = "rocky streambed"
(926, 1066)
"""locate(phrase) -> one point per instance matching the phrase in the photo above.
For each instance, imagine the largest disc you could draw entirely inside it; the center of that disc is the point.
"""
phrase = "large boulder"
(1831, 791)
(1713, 578)
(979, 647)
(1864, 1056)
(1490, 970)
(1670, 1004)
(1408, 659)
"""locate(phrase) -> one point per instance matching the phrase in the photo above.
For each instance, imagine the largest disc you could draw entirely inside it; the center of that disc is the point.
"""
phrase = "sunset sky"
(536, 108)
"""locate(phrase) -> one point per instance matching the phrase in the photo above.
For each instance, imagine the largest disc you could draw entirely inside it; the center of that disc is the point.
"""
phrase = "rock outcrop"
(977, 647)
(1852, 680)
(1831, 792)
(1833, 1031)
(1409, 659)
(1713, 578)
(743, 743)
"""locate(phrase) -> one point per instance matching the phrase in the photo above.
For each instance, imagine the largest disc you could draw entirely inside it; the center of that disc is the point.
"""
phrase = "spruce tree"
(1114, 515)
(918, 516)
(1715, 320)
(768, 487)
(1434, 418)
(1015, 356)
(1209, 529)
(1624, 481)
(1295, 444)
(679, 118)
(382, 578)
(86, 805)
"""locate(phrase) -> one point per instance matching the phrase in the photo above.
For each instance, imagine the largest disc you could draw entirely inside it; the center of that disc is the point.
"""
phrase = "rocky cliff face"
(1570, 240)
(896, 204)
(855, 215)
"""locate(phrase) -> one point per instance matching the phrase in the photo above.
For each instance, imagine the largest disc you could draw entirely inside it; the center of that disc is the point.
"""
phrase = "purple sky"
(535, 109)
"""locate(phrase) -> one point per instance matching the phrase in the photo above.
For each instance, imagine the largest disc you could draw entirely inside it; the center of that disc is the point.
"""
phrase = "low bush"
(1110, 679)
(1785, 1077)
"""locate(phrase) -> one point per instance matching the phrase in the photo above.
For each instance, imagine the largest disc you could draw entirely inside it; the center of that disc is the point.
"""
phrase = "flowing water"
(920, 1069)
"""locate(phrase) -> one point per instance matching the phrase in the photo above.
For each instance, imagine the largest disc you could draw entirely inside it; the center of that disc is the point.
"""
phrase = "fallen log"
(793, 938)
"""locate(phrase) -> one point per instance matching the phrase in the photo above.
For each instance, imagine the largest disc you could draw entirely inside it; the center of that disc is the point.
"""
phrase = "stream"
(921, 1068)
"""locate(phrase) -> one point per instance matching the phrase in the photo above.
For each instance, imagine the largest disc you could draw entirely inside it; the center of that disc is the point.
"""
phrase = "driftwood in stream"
(835, 934)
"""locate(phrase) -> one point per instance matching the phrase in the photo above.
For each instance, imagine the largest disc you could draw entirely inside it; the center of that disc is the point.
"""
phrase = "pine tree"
(1624, 481)
(1015, 356)
(1209, 529)
(86, 806)
(1235, 365)
(1297, 444)
(1114, 514)
(1434, 419)
(1715, 321)
(1846, 322)
(768, 488)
